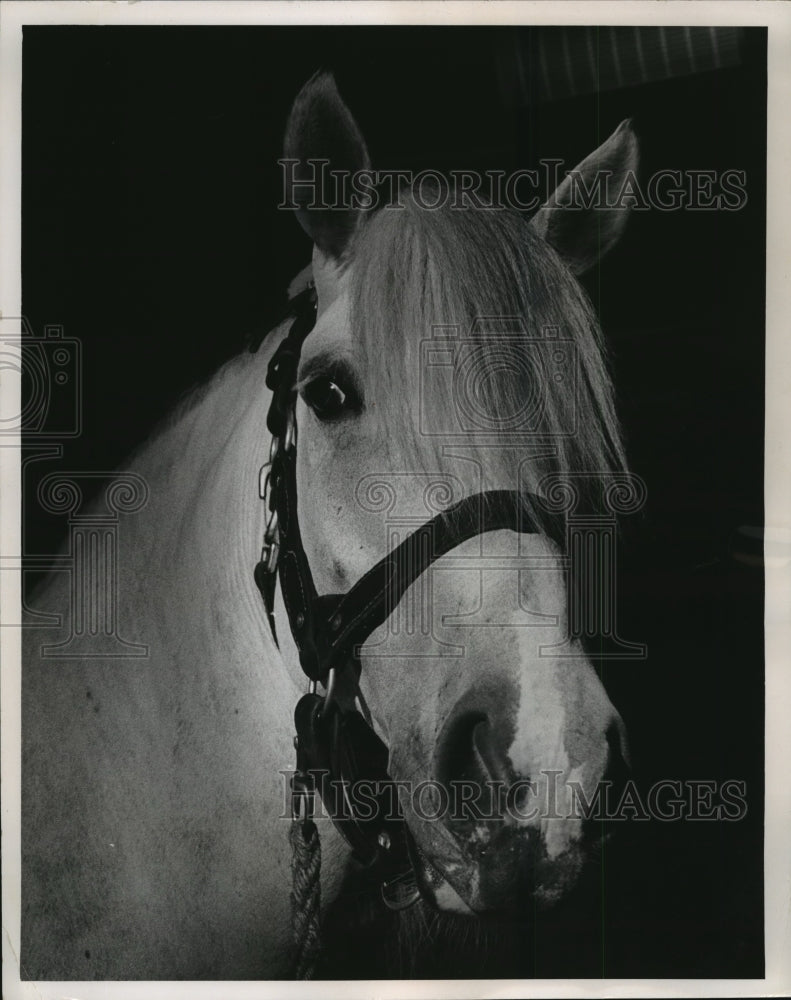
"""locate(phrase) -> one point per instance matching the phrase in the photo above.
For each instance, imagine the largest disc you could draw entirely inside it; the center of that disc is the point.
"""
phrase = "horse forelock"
(476, 271)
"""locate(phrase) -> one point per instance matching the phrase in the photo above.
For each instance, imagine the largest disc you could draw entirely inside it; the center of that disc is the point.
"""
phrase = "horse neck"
(206, 522)
(196, 542)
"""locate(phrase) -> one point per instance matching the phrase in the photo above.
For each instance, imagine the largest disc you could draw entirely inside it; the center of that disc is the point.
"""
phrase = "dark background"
(150, 233)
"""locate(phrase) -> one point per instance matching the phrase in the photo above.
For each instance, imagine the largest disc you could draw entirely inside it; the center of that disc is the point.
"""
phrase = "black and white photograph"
(389, 570)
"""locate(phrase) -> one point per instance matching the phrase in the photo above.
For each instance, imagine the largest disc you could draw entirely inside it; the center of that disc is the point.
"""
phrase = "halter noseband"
(336, 744)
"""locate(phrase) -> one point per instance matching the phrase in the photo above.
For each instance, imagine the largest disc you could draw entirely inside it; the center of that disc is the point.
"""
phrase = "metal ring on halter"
(330, 688)
(302, 797)
(271, 526)
(269, 554)
(263, 479)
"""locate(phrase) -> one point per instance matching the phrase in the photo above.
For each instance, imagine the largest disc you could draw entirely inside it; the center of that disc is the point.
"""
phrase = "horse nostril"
(469, 753)
(487, 753)
(457, 758)
(467, 764)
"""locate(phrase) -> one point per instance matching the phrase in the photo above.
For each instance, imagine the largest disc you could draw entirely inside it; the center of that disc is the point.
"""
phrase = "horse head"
(434, 373)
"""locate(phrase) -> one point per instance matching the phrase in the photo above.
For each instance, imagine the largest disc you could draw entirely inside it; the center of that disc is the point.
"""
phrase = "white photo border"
(14, 14)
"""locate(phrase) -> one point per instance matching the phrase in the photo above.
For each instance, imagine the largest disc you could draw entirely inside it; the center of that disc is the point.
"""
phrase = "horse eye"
(328, 398)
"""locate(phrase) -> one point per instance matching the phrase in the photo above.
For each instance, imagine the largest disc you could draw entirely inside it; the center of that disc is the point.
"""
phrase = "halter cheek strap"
(336, 747)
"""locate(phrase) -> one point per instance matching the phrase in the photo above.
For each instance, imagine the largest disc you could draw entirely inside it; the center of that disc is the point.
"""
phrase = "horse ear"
(586, 215)
(321, 128)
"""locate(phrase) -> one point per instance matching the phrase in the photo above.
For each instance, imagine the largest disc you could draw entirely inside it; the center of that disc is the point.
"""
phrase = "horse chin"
(514, 879)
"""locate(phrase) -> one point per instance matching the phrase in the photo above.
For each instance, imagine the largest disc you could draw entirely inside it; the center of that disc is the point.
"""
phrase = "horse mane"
(417, 269)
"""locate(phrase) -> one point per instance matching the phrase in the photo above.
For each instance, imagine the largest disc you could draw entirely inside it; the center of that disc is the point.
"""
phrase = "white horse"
(154, 839)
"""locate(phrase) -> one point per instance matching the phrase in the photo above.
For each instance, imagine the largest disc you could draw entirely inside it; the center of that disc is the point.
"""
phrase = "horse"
(155, 789)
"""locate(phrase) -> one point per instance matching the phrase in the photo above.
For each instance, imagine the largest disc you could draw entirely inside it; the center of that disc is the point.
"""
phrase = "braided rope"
(305, 895)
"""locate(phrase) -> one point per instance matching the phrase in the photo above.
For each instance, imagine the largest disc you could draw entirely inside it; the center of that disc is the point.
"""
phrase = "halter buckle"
(329, 688)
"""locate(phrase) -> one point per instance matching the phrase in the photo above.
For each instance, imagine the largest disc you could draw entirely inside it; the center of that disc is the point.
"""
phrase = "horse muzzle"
(494, 843)
(501, 868)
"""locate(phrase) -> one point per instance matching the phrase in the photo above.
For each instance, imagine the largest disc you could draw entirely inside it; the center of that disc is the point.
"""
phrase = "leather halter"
(336, 744)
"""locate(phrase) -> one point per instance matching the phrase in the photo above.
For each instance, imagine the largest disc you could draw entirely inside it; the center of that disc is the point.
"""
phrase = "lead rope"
(305, 872)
